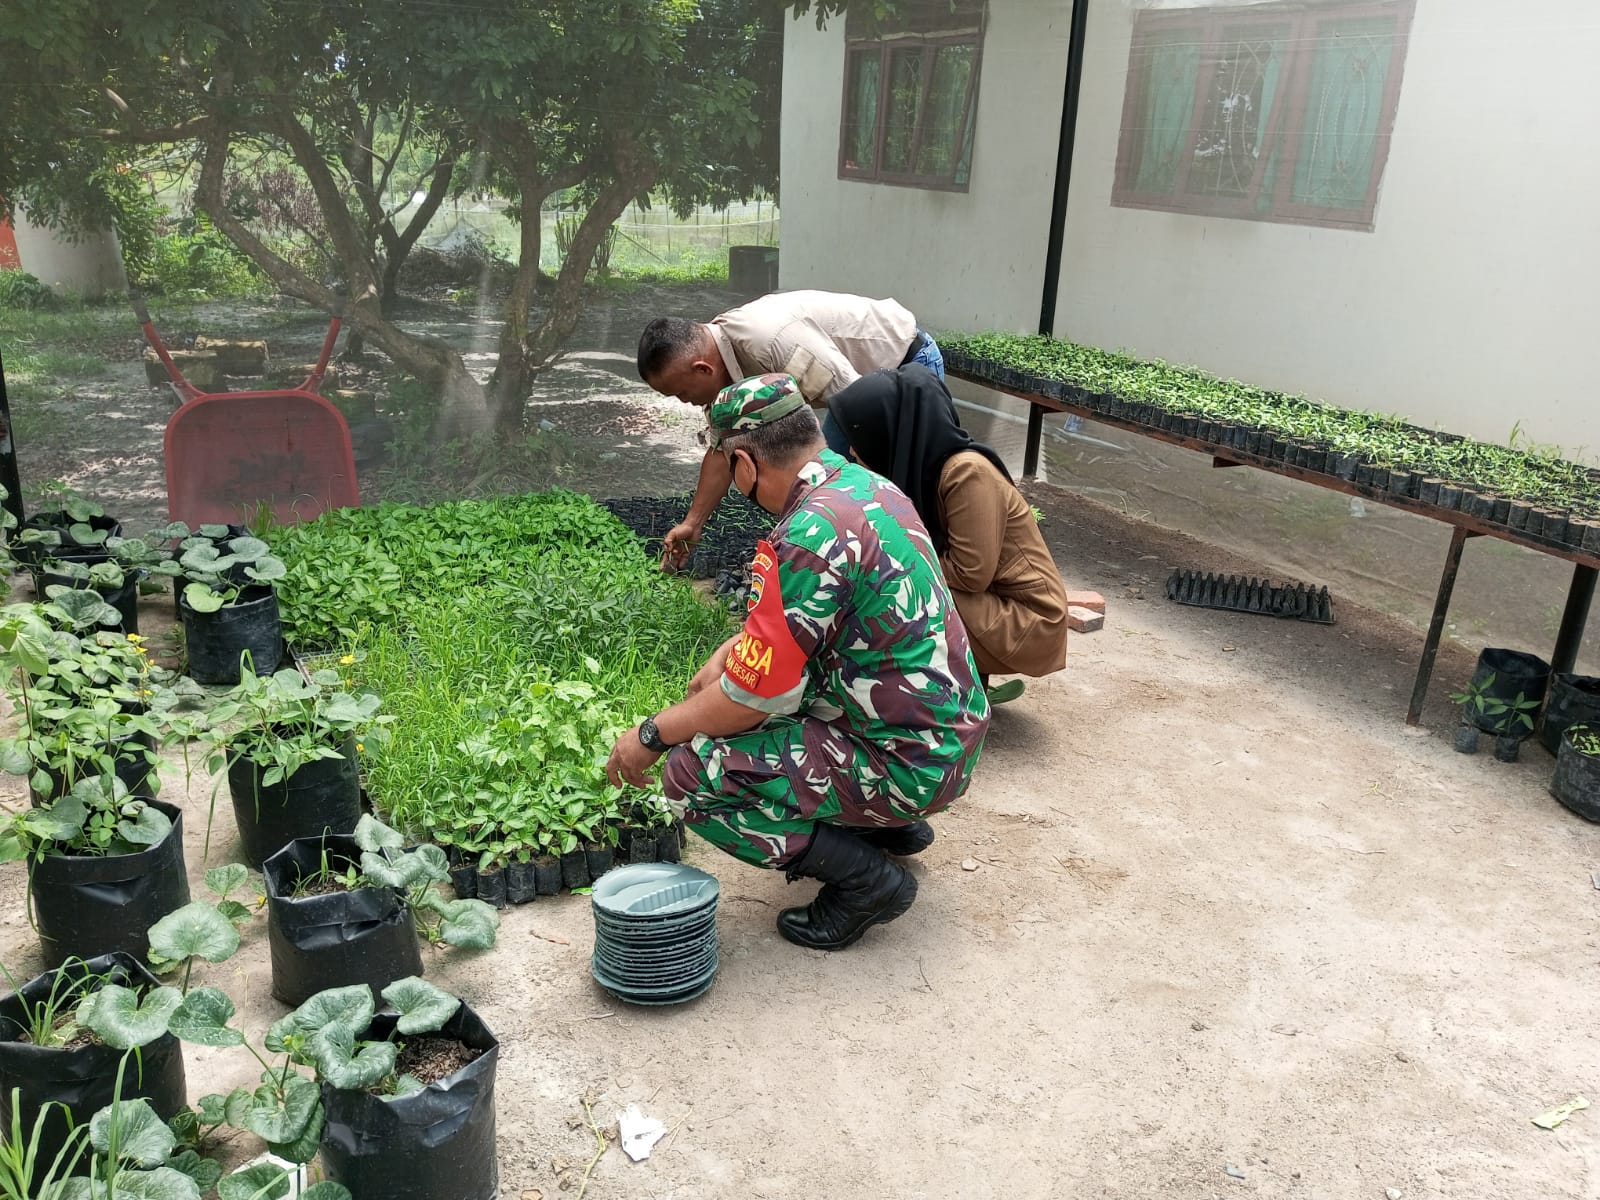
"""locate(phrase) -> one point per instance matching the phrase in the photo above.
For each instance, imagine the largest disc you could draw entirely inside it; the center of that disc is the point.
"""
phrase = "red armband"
(766, 660)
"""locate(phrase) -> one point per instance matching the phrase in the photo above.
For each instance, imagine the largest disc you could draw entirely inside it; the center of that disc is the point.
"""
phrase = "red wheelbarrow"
(228, 453)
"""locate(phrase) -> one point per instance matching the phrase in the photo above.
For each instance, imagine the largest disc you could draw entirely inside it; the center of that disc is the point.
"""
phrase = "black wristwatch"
(650, 736)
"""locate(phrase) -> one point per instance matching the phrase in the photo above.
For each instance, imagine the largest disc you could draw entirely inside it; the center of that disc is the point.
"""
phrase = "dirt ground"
(1225, 912)
(1210, 922)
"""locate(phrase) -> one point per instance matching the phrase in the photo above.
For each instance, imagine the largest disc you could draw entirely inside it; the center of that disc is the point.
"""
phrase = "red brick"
(1084, 620)
(1093, 601)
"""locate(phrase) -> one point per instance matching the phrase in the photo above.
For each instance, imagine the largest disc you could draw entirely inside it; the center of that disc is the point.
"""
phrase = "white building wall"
(90, 267)
(1472, 306)
(958, 260)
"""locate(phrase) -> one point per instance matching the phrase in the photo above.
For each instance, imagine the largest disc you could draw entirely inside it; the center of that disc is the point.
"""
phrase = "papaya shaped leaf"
(350, 1065)
(140, 1135)
(468, 924)
(228, 878)
(149, 828)
(202, 1018)
(326, 1190)
(283, 1120)
(163, 1183)
(116, 1014)
(260, 1182)
(372, 834)
(195, 929)
(201, 598)
(203, 1171)
(303, 1148)
(423, 1007)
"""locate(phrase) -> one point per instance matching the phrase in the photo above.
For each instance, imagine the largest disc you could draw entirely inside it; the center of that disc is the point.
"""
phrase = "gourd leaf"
(204, 1171)
(373, 834)
(348, 1065)
(163, 1183)
(248, 549)
(140, 1135)
(86, 535)
(202, 1018)
(227, 878)
(84, 606)
(468, 924)
(266, 570)
(60, 822)
(303, 1148)
(195, 929)
(201, 598)
(212, 1107)
(275, 1120)
(423, 1007)
(348, 1008)
(326, 1190)
(149, 828)
(405, 1085)
(116, 1014)
(14, 757)
(260, 1182)
(214, 532)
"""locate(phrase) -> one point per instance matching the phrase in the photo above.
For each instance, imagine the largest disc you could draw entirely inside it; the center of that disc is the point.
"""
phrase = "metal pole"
(1076, 36)
(1030, 453)
(1573, 618)
(9, 476)
(1441, 607)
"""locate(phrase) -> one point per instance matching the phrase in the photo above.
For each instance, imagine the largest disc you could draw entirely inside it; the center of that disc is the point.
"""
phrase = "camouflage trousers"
(757, 795)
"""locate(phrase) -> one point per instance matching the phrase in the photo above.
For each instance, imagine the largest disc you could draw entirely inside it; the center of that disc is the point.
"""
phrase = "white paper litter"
(638, 1133)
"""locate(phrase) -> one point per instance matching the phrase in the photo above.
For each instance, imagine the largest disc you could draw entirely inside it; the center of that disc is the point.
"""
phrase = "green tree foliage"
(613, 98)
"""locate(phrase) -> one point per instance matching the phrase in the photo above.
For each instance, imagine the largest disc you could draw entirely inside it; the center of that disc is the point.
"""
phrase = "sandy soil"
(1225, 912)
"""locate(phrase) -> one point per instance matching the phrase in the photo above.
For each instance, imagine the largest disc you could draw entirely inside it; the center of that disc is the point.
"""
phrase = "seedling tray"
(1239, 593)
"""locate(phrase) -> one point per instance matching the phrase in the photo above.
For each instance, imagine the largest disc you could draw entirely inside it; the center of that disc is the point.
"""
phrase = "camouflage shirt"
(851, 623)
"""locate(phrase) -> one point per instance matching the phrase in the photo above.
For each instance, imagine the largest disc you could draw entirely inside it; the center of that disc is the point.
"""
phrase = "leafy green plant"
(18, 289)
(1585, 739)
(52, 1020)
(201, 929)
(96, 818)
(23, 1173)
(416, 873)
(283, 721)
(1536, 475)
(218, 577)
(326, 1034)
(1503, 716)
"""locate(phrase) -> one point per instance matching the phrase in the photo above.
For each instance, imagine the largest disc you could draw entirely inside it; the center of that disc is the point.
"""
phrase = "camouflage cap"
(752, 402)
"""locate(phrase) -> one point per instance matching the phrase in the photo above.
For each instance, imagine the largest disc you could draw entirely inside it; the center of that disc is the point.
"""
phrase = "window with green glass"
(911, 93)
(1272, 112)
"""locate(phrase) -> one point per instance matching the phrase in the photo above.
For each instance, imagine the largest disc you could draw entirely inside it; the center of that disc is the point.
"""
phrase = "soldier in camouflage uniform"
(848, 708)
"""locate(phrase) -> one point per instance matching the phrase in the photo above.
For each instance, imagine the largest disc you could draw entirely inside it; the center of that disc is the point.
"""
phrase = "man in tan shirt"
(826, 340)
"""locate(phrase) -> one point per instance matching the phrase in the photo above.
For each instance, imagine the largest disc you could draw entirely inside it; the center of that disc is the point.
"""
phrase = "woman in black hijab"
(902, 424)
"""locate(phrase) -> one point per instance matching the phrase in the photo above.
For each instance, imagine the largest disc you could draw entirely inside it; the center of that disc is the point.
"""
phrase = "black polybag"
(84, 1078)
(88, 905)
(436, 1144)
(323, 796)
(319, 942)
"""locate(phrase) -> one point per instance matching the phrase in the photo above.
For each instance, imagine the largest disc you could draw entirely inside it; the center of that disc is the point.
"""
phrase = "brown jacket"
(1006, 586)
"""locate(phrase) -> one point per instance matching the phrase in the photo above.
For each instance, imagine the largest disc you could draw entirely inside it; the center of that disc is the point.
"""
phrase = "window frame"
(883, 46)
(1214, 26)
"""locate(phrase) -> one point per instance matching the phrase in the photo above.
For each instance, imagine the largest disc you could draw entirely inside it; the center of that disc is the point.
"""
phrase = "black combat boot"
(900, 840)
(860, 888)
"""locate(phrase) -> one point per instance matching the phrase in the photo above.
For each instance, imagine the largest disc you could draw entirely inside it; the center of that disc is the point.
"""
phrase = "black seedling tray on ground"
(1237, 593)
(729, 541)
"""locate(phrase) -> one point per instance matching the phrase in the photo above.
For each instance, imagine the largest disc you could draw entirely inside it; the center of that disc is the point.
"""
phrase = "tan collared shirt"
(826, 340)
